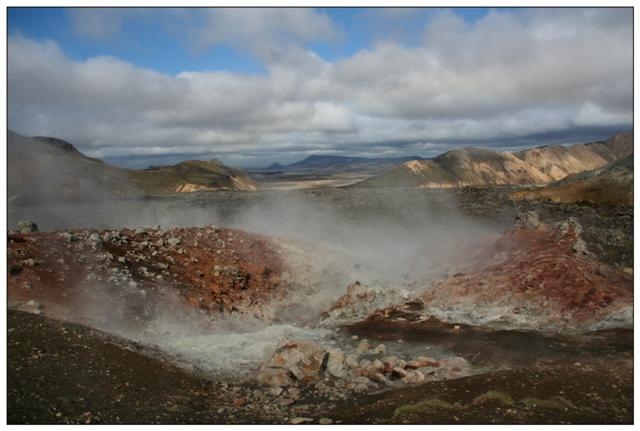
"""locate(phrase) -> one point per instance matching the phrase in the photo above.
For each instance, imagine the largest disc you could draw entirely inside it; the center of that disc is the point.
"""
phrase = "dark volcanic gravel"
(594, 393)
(66, 373)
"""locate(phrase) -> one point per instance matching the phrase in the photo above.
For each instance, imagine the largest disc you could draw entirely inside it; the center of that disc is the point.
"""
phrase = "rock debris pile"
(213, 269)
(300, 363)
(361, 300)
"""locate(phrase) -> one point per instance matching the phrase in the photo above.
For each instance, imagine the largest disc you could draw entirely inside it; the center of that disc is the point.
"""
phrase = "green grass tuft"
(492, 396)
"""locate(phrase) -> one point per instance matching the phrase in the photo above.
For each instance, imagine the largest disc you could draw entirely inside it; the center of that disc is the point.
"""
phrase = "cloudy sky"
(254, 86)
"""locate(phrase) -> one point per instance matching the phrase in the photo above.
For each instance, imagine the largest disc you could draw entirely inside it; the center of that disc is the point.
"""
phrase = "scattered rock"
(379, 350)
(351, 361)
(336, 363)
(26, 226)
(580, 247)
(528, 219)
(276, 390)
(173, 242)
(378, 378)
(294, 360)
(68, 236)
(29, 263)
(422, 361)
(390, 362)
(399, 372)
(286, 401)
(95, 240)
(300, 420)
(414, 377)
(293, 392)
(363, 346)
(34, 307)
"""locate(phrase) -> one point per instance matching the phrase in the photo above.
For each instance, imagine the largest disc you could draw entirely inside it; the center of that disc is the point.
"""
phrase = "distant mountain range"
(481, 167)
(320, 162)
(44, 168)
(49, 168)
(329, 165)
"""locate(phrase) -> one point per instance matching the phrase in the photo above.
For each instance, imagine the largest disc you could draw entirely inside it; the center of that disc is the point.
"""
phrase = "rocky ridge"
(214, 269)
(535, 277)
(482, 167)
(47, 169)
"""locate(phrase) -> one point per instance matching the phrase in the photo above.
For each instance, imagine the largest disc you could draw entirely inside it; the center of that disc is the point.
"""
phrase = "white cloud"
(97, 23)
(270, 33)
(507, 75)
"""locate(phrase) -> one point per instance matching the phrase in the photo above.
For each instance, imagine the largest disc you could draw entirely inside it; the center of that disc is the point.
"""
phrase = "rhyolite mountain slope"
(45, 168)
(193, 175)
(479, 167)
(612, 184)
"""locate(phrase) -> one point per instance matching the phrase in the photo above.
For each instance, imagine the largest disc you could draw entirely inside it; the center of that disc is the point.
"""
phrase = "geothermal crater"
(288, 327)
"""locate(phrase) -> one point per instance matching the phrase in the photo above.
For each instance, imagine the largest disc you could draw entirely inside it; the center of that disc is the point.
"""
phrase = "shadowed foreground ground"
(66, 373)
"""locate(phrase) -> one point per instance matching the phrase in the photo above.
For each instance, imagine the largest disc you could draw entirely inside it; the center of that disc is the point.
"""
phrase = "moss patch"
(427, 405)
(493, 397)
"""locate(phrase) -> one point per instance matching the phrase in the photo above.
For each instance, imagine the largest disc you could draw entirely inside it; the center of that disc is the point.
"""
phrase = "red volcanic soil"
(544, 262)
(213, 269)
(538, 277)
(548, 262)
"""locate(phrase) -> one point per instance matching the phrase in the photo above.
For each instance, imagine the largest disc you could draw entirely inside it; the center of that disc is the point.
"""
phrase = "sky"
(251, 86)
